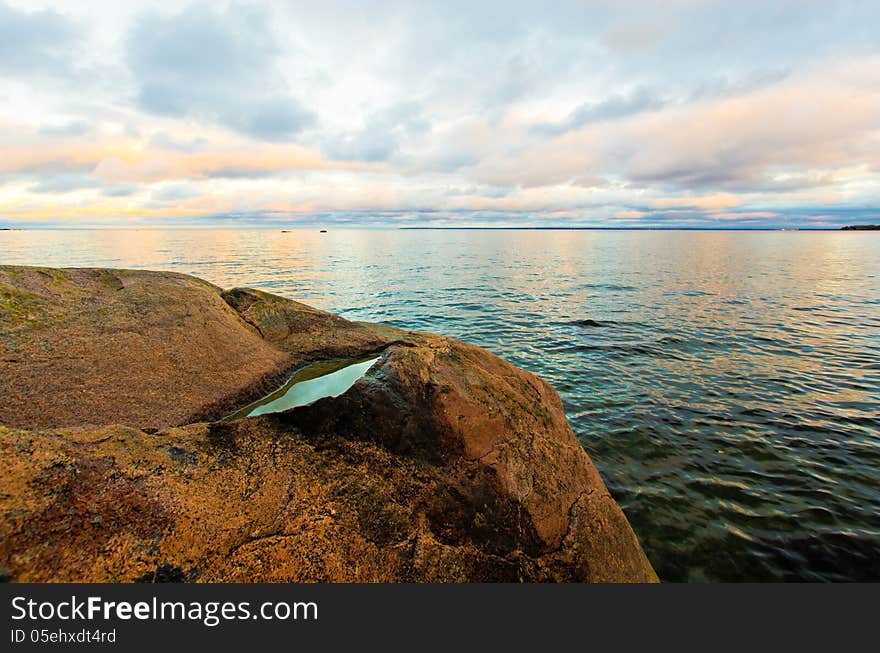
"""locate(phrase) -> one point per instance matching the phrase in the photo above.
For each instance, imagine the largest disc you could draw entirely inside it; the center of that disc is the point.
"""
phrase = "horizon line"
(329, 227)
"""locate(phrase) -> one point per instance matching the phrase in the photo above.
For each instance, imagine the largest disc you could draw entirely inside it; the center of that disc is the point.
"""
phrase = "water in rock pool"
(726, 384)
(308, 385)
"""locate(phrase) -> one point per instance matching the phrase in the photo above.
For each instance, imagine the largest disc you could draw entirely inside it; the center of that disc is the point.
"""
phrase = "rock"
(149, 349)
(303, 332)
(444, 463)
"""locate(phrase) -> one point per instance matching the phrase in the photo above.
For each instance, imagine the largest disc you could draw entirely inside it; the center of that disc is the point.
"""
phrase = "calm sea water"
(726, 384)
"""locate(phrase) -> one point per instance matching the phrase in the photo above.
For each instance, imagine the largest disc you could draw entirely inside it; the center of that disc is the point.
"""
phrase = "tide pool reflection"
(328, 379)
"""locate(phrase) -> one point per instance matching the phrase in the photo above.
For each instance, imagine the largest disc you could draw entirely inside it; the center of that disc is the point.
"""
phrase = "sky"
(682, 113)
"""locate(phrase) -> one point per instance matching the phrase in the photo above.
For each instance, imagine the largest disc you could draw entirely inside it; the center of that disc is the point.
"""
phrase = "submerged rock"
(444, 463)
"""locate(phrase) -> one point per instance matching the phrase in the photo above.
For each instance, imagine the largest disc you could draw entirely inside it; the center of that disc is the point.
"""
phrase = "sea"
(725, 383)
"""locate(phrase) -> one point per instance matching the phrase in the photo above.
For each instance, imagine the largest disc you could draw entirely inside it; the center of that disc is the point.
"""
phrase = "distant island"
(861, 227)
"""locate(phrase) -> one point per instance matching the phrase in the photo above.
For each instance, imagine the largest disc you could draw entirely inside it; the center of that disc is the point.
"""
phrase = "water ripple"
(726, 384)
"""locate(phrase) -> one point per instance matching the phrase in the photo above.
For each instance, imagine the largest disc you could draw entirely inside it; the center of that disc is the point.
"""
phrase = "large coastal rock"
(149, 349)
(444, 463)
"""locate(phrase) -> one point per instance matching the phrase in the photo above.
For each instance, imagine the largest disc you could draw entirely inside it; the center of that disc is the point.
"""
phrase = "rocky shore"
(444, 463)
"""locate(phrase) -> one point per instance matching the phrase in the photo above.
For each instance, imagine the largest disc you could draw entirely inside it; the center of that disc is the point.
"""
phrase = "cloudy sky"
(623, 113)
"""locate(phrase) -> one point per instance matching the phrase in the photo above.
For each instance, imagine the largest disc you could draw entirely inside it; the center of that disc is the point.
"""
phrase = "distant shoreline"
(621, 228)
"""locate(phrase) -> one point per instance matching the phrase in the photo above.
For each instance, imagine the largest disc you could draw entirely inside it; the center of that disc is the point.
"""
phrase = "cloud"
(68, 128)
(382, 135)
(816, 129)
(774, 138)
(674, 113)
(35, 43)
(174, 192)
(120, 191)
(220, 68)
(613, 107)
(479, 191)
(64, 183)
(166, 141)
(124, 160)
(704, 202)
(642, 100)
